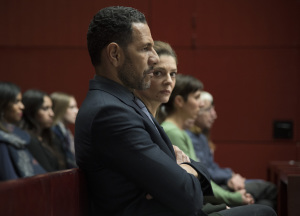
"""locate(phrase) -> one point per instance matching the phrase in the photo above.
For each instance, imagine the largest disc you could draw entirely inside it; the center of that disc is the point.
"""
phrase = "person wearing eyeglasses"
(262, 191)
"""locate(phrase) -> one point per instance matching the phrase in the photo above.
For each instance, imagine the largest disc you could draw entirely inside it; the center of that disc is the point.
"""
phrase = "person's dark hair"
(33, 100)
(8, 94)
(111, 24)
(163, 48)
(185, 84)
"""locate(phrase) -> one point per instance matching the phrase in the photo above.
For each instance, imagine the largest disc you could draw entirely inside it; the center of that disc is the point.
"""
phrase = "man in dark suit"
(130, 164)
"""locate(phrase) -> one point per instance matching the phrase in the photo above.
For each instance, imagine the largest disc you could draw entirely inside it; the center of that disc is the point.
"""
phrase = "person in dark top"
(263, 192)
(15, 159)
(37, 120)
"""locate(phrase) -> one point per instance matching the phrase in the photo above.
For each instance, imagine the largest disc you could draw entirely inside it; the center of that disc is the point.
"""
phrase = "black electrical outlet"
(283, 129)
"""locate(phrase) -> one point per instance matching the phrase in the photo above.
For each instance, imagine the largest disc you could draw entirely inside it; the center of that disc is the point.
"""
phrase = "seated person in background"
(177, 113)
(37, 121)
(182, 105)
(263, 192)
(65, 111)
(15, 159)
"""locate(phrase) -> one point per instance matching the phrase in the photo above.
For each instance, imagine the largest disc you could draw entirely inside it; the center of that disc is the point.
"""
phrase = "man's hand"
(237, 182)
(181, 157)
(190, 170)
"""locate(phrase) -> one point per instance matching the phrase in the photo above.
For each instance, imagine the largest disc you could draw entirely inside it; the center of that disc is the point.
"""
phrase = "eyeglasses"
(207, 109)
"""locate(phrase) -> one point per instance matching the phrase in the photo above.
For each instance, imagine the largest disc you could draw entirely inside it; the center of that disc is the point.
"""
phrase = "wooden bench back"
(53, 194)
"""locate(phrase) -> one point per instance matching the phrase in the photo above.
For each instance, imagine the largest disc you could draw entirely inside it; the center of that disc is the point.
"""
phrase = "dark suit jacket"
(125, 158)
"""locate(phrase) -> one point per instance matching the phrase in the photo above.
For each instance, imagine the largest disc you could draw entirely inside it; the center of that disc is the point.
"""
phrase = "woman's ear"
(114, 54)
(178, 101)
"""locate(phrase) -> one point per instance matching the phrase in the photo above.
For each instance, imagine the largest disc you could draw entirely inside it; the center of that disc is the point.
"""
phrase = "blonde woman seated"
(65, 111)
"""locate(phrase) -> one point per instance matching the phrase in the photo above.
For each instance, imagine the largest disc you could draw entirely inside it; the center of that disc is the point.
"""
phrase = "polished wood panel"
(62, 193)
(286, 175)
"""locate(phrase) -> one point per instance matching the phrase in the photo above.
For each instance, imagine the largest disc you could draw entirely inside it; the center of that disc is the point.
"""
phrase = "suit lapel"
(127, 97)
(165, 137)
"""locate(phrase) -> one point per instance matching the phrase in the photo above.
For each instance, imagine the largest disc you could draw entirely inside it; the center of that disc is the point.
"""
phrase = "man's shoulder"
(110, 87)
(103, 91)
(106, 98)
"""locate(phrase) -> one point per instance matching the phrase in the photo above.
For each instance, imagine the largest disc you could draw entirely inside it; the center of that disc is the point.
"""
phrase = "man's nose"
(214, 113)
(154, 58)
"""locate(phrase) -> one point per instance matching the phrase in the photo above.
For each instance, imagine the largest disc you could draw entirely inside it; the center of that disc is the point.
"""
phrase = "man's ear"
(179, 101)
(114, 54)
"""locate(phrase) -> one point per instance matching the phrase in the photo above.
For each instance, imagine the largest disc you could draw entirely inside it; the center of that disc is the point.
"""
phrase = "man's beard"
(129, 77)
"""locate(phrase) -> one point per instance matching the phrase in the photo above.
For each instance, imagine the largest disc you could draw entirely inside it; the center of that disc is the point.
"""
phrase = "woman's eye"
(157, 73)
(45, 108)
(173, 74)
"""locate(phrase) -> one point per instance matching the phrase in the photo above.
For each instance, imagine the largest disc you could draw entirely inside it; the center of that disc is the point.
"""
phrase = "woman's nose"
(21, 105)
(168, 79)
(51, 113)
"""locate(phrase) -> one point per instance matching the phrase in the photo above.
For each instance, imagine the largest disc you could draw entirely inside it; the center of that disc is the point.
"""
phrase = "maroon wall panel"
(246, 53)
(252, 87)
(52, 23)
(50, 70)
(248, 23)
(174, 22)
(44, 43)
(250, 159)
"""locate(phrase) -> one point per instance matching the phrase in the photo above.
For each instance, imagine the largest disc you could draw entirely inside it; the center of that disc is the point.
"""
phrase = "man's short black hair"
(111, 24)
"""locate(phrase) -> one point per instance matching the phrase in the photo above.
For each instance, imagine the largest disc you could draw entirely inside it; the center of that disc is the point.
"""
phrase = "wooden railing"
(61, 193)
(286, 175)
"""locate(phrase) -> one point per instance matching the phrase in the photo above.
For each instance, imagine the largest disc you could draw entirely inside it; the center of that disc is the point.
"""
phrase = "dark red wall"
(247, 54)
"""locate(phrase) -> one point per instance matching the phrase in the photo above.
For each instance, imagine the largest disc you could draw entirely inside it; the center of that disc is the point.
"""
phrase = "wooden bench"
(53, 194)
(286, 175)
